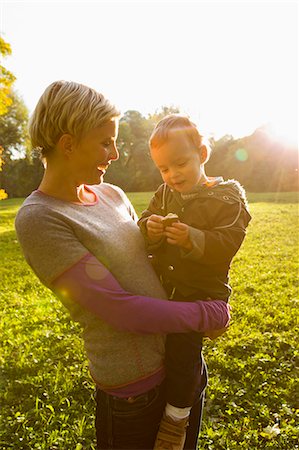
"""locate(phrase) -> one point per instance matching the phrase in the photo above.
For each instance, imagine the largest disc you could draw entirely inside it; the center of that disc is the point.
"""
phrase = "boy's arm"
(222, 242)
(154, 207)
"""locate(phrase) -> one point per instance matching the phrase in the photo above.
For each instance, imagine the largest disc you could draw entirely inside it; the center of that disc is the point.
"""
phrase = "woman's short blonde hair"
(67, 107)
(177, 125)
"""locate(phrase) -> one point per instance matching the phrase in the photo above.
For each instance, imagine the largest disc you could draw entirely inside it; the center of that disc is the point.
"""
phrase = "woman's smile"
(103, 168)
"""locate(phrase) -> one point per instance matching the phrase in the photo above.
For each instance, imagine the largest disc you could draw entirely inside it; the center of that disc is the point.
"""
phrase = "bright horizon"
(231, 65)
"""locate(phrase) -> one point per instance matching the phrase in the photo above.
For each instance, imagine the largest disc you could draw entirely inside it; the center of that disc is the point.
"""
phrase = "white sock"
(177, 413)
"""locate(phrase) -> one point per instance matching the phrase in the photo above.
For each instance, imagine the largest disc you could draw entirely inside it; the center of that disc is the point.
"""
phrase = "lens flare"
(241, 154)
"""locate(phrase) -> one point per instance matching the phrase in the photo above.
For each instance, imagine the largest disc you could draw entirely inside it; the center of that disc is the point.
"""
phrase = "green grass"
(46, 392)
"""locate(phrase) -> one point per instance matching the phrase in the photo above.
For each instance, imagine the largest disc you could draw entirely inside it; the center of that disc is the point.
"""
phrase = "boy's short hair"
(177, 124)
(67, 107)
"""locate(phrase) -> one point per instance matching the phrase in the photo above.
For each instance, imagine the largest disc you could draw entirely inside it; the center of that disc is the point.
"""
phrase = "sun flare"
(284, 132)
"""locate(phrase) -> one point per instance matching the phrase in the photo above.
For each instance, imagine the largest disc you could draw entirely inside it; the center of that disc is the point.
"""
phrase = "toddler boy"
(192, 256)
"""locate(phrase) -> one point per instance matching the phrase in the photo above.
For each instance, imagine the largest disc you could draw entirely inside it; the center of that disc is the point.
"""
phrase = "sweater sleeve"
(93, 287)
(48, 242)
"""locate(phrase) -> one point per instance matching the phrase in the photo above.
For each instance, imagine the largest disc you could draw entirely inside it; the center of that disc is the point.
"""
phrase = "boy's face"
(179, 163)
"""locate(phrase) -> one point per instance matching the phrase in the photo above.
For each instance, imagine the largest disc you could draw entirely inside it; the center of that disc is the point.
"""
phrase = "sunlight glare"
(284, 132)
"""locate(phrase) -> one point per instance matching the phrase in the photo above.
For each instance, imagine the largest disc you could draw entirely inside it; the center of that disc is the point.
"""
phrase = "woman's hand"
(178, 234)
(154, 228)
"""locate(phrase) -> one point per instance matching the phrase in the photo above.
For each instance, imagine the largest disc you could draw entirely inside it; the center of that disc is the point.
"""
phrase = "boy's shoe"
(171, 434)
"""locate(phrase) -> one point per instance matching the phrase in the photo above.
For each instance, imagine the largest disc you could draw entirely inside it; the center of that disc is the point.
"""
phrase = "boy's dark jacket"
(218, 216)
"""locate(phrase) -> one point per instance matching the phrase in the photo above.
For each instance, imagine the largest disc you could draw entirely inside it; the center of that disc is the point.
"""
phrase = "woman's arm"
(93, 287)
(66, 266)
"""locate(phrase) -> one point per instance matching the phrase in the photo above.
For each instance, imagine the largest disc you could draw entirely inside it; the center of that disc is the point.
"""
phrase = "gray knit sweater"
(55, 235)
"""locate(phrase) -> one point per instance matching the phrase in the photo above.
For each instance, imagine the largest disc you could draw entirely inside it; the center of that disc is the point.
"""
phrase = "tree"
(6, 79)
(260, 162)
(13, 128)
(135, 171)
(3, 194)
(162, 112)
(22, 176)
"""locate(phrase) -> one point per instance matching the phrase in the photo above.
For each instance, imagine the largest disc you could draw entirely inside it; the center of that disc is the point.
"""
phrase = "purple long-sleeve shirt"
(103, 296)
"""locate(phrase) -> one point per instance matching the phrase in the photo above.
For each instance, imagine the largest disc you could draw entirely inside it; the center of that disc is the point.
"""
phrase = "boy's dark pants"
(186, 372)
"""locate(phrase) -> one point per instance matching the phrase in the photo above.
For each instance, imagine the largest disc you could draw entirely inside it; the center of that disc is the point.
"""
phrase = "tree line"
(259, 161)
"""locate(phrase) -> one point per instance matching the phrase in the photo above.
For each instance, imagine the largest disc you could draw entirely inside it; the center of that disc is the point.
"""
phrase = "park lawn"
(252, 401)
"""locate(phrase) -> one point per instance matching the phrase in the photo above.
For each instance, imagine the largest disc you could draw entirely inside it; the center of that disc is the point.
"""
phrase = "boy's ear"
(65, 143)
(203, 153)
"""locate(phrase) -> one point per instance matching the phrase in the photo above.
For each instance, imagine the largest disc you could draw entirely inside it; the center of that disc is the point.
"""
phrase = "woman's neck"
(60, 187)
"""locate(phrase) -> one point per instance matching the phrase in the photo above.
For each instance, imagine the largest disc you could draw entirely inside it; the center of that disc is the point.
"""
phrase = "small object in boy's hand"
(168, 220)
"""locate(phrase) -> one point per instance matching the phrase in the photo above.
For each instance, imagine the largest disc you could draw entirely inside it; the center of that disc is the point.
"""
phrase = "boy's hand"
(178, 234)
(154, 227)
(214, 334)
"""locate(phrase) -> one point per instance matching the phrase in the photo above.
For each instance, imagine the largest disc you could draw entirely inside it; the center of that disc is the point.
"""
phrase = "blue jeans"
(133, 423)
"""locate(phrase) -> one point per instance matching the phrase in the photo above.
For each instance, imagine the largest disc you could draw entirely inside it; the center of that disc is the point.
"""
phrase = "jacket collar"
(208, 184)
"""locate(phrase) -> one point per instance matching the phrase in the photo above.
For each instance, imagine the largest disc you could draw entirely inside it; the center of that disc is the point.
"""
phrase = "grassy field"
(252, 401)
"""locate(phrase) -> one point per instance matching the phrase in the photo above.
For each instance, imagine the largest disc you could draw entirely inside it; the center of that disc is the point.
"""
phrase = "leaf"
(271, 432)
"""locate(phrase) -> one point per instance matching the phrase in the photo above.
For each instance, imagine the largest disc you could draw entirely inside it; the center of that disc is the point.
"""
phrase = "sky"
(231, 65)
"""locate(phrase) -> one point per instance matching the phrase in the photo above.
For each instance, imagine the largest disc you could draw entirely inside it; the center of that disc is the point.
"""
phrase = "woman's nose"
(113, 154)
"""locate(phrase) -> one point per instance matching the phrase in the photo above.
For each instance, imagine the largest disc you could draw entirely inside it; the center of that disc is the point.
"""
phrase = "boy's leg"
(181, 434)
(184, 368)
(186, 379)
(195, 418)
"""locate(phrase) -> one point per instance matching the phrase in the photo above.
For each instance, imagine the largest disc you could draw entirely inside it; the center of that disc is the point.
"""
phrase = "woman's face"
(93, 154)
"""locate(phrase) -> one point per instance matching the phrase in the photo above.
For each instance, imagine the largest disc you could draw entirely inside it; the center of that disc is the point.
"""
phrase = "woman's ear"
(65, 143)
(203, 154)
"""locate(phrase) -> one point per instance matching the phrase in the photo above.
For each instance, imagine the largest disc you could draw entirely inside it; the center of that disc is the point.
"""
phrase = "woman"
(81, 239)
